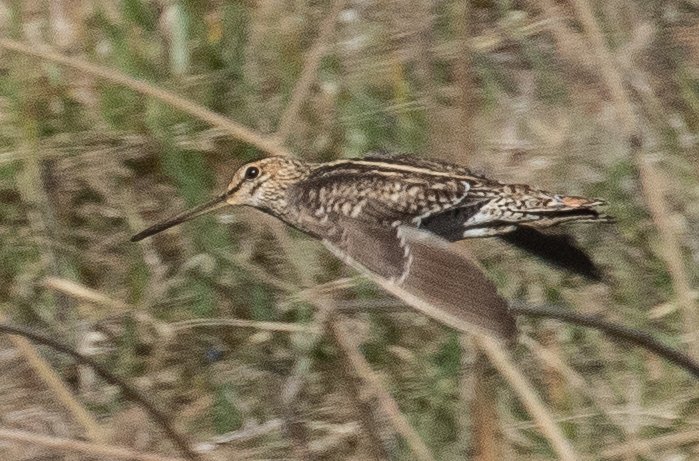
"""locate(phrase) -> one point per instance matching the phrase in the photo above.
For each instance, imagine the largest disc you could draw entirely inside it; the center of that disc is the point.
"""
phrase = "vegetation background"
(224, 322)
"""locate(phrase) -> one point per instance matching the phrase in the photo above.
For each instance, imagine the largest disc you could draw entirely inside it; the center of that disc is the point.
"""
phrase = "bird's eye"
(252, 172)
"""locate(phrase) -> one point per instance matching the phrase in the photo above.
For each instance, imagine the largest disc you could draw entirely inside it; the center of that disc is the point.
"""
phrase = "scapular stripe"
(390, 167)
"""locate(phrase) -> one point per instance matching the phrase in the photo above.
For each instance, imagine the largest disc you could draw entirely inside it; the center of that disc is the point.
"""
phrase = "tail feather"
(580, 215)
(514, 214)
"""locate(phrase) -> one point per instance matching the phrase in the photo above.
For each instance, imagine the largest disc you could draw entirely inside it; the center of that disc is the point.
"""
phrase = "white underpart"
(487, 231)
(407, 256)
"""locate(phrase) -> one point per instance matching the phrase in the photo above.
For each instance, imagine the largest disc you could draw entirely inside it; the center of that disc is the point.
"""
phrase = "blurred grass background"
(521, 90)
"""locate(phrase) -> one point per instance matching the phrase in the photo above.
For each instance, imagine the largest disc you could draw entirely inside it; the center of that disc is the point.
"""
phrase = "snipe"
(393, 216)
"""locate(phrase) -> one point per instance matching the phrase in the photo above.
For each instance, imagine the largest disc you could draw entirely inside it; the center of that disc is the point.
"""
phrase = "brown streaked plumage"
(393, 216)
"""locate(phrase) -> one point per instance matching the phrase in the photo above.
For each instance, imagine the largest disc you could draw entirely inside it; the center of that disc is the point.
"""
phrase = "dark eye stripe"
(234, 189)
(237, 187)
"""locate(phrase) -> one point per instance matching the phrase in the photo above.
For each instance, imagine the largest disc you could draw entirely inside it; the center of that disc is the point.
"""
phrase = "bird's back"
(446, 199)
(388, 190)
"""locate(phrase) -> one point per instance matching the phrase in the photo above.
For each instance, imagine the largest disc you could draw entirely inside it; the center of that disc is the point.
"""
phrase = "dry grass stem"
(527, 395)
(651, 182)
(83, 293)
(654, 186)
(242, 435)
(198, 111)
(244, 263)
(608, 66)
(63, 445)
(242, 323)
(570, 44)
(326, 288)
(464, 79)
(487, 445)
(388, 405)
(658, 443)
(309, 72)
(556, 362)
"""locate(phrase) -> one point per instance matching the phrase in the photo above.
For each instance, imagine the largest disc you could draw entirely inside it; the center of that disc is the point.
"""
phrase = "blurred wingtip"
(559, 250)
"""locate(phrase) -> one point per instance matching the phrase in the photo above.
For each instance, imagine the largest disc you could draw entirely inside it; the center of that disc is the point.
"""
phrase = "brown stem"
(129, 391)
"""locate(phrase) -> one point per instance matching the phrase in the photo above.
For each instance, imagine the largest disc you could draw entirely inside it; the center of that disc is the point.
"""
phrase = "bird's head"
(260, 184)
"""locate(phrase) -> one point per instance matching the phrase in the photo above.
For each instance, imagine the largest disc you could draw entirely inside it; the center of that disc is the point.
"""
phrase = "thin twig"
(309, 72)
(198, 111)
(59, 444)
(130, 392)
(242, 323)
(657, 443)
(59, 388)
(615, 330)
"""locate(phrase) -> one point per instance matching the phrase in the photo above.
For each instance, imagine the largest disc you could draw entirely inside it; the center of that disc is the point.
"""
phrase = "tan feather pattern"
(391, 217)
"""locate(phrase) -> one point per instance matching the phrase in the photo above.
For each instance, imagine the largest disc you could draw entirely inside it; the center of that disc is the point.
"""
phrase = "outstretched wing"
(426, 272)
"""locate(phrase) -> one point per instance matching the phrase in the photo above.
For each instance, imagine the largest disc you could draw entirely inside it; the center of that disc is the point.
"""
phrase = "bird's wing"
(459, 200)
(380, 192)
(423, 270)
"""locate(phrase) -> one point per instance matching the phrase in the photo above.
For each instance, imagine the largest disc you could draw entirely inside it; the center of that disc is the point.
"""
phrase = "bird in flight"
(393, 217)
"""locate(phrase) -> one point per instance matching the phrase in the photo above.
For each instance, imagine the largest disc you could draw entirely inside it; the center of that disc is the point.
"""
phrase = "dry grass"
(233, 329)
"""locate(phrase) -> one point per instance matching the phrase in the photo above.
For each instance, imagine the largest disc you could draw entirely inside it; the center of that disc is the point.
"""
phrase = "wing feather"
(427, 273)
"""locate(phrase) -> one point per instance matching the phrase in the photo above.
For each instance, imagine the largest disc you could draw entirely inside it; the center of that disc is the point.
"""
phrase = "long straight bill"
(212, 205)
